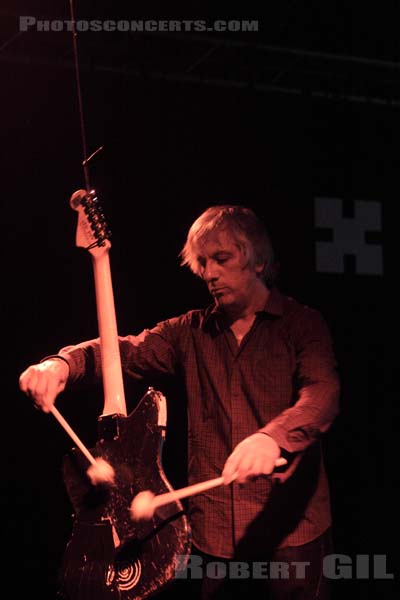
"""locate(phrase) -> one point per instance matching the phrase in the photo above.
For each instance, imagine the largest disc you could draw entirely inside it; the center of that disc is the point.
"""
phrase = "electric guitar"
(109, 555)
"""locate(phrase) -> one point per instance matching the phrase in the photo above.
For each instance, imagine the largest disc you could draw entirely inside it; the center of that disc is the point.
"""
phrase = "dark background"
(306, 107)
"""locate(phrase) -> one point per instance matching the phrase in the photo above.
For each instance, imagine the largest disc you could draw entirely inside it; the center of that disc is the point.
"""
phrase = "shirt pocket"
(274, 369)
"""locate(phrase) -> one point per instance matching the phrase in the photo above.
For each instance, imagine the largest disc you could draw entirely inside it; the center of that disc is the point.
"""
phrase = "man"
(261, 383)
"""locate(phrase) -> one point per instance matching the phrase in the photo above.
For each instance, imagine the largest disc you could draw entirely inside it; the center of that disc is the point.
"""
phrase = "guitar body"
(110, 555)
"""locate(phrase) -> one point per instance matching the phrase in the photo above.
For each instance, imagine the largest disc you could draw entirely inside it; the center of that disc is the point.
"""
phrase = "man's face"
(223, 267)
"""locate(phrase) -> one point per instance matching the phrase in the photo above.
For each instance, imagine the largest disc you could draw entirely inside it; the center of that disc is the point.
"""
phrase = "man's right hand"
(44, 381)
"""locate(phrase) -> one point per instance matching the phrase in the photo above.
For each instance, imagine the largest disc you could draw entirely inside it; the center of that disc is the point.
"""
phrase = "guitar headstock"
(92, 232)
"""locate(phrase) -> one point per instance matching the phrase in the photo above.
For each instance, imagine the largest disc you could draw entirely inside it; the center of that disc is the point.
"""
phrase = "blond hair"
(242, 225)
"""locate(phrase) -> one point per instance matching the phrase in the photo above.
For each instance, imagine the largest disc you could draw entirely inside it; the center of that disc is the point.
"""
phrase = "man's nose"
(210, 272)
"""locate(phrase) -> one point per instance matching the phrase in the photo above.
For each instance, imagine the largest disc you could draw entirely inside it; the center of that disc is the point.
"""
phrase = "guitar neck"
(114, 397)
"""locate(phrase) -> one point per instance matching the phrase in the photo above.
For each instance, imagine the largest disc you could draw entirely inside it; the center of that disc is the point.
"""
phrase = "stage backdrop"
(322, 174)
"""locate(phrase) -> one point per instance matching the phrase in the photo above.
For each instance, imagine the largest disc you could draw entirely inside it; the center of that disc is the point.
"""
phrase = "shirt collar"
(274, 303)
(273, 307)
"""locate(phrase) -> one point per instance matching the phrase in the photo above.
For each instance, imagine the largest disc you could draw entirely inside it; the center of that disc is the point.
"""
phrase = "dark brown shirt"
(281, 379)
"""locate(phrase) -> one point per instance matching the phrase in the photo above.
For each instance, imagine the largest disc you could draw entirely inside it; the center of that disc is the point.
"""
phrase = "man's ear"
(259, 268)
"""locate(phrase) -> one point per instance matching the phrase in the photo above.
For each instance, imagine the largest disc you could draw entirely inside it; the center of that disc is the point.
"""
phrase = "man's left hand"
(254, 456)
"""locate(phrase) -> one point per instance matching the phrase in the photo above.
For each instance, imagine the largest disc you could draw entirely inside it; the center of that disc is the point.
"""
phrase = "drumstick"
(146, 503)
(100, 471)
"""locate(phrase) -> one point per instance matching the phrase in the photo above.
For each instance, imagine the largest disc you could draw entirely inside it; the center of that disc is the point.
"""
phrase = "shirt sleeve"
(316, 383)
(152, 352)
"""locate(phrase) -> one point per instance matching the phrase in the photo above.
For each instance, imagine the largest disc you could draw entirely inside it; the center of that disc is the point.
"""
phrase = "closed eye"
(222, 258)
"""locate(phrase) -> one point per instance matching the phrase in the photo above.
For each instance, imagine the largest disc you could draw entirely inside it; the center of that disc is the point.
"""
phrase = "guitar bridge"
(108, 428)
